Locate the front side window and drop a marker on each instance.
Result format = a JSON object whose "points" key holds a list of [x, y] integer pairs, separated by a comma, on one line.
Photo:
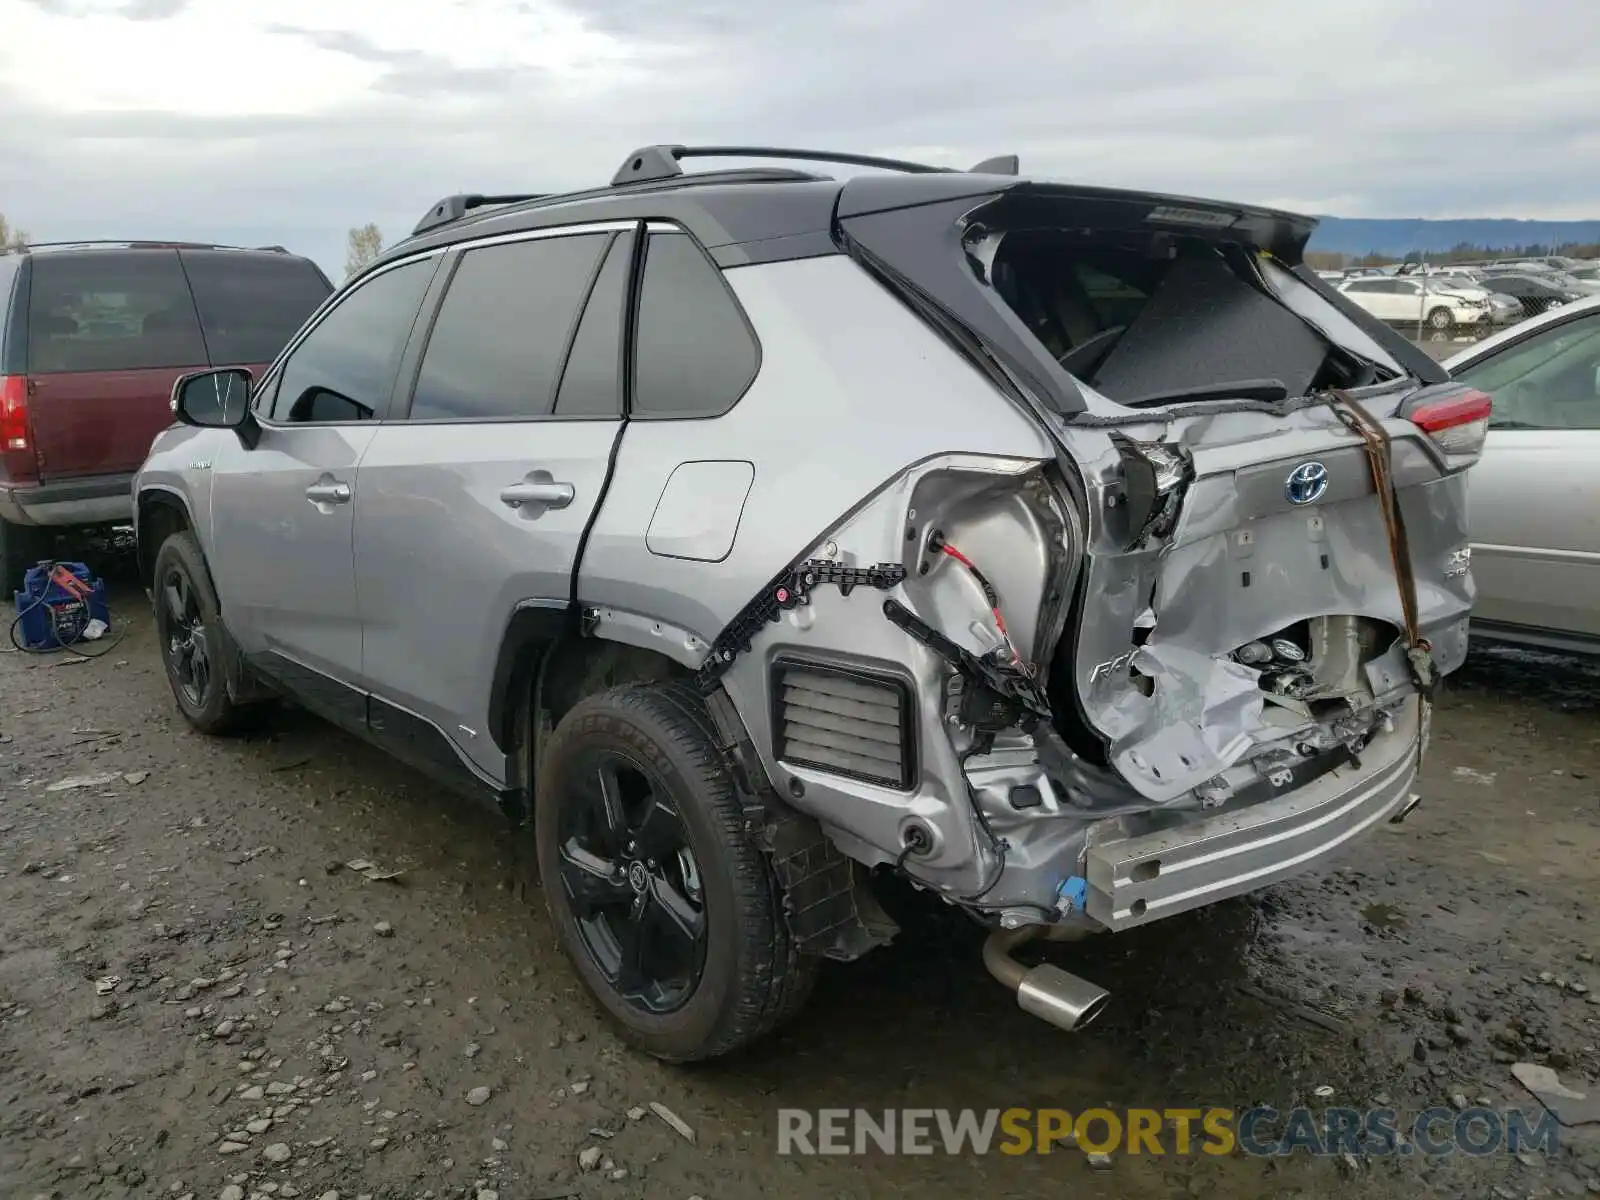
{"points": [[111, 310], [503, 330], [1549, 381], [344, 369]]}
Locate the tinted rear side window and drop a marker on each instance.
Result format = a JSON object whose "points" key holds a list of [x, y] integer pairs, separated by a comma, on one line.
{"points": [[251, 304], [694, 355], [503, 330], [591, 385], [110, 310]]}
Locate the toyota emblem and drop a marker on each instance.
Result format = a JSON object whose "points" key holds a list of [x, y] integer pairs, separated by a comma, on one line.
{"points": [[1306, 483]]}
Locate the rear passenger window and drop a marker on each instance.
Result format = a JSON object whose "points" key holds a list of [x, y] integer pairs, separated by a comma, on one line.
{"points": [[694, 355], [111, 310], [591, 384], [251, 304], [503, 330], [344, 369]]}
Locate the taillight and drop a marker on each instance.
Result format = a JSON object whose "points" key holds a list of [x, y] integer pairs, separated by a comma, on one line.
{"points": [[1457, 423], [16, 440]]}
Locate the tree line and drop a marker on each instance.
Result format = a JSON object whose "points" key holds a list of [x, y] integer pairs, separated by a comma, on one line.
{"points": [[1463, 252], [11, 238]]}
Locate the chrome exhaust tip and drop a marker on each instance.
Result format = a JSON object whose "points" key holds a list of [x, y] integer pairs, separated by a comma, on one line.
{"points": [[1406, 809], [1045, 991]]}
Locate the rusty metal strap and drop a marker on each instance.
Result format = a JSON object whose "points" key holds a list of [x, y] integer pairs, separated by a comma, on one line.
{"points": [[1376, 441]]}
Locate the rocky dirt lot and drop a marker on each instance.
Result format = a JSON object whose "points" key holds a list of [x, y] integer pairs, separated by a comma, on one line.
{"points": [[203, 994]]}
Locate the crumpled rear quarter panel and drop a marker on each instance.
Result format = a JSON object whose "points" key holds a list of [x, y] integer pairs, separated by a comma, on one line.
{"points": [[853, 388]]}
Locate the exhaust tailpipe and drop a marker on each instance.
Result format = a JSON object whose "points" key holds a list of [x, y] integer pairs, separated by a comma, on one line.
{"points": [[1406, 809], [1047, 992]]}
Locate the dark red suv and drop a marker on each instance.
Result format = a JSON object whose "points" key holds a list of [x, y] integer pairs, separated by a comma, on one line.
{"points": [[92, 338]]}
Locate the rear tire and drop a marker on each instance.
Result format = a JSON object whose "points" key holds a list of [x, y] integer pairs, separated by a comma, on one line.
{"points": [[1440, 319], [658, 892], [190, 635], [21, 547]]}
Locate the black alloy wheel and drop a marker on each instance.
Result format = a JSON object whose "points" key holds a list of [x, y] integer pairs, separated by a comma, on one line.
{"points": [[194, 643], [633, 883], [187, 643], [655, 879]]}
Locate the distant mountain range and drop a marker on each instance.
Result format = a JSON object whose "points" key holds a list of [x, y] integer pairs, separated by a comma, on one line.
{"points": [[1400, 236]]}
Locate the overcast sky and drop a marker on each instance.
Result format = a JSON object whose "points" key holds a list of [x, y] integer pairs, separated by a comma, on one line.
{"points": [[288, 121]]}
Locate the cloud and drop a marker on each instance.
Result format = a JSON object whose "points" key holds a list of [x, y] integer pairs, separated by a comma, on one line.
{"points": [[291, 122], [408, 72], [153, 10]]}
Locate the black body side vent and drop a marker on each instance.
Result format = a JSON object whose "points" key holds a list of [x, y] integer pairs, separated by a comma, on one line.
{"points": [[850, 723]]}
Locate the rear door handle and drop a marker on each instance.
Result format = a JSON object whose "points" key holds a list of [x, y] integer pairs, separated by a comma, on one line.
{"points": [[328, 493], [548, 494]]}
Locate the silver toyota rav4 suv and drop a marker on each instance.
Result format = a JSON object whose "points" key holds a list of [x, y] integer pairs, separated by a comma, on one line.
{"points": [[1077, 554]]}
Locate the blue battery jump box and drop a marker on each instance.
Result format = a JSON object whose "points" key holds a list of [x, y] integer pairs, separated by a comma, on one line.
{"points": [[56, 604]]}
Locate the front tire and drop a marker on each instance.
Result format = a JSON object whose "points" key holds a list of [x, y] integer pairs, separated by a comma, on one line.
{"points": [[1440, 319], [658, 892], [190, 634]]}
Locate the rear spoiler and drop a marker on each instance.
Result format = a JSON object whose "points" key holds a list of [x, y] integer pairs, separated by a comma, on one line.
{"points": [[1284, 234]]}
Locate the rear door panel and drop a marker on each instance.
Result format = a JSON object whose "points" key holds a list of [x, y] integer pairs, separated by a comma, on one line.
{"points": [[474, 500], [442, 561]]}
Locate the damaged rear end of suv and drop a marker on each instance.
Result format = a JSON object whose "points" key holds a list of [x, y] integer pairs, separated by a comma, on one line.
{"points": [[1075, 555], [1182, 650]]}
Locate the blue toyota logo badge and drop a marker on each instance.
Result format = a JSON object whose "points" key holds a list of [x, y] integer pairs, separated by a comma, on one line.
{"points": [[1306, 483]]}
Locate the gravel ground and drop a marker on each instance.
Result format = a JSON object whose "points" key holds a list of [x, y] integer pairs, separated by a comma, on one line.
{"points": [[281, 1024]]}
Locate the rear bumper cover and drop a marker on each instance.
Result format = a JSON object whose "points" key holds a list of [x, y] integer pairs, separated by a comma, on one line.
{"points": [[96, 500], [1135, 880]]}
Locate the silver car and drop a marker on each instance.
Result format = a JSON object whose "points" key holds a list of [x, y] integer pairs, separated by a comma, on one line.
{"points": [[1077, 554], [1535, 497]]}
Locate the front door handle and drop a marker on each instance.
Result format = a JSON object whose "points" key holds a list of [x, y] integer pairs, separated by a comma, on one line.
{"points": [[328, 493], [546, 493]]}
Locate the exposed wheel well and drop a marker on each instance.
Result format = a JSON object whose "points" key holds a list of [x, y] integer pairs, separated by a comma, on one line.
{"points": [[160, 516], [547, 684], [577, 667]]}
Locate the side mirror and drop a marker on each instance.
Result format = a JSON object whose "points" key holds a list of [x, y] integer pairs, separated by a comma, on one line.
{"points": [[213, 399]]}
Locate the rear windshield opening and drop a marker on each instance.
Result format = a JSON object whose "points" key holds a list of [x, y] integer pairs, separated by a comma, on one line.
{"points": [[1144, 318]]}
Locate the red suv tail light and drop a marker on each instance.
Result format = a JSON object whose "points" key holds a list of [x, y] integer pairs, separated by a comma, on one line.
{"points": [[1457, 421], [16, 434]]}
